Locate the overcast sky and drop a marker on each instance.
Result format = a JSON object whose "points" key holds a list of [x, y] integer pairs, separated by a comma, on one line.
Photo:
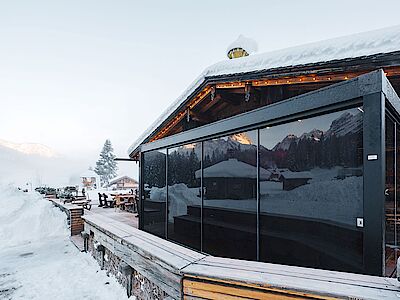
{"points": [[73, 73]]}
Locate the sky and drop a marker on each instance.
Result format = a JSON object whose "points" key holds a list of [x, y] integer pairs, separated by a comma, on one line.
{"points": [[74, 73]]}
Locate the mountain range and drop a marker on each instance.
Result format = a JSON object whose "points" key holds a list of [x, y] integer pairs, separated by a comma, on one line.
{"points": [[29, 148]]}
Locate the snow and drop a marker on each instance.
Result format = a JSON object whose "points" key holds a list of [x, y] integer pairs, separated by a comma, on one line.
{"points": [[179, 198], [324, 198], [89, 174], [30, 148], [245, 43], [234, 169], [115, 179], [384, 40], [295, 175], [37, 259]]}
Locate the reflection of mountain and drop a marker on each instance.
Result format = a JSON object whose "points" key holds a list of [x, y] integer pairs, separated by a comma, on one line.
{"points": [[239, 142], [285, 143], [241, 138], [339, 145], [347, 123]]}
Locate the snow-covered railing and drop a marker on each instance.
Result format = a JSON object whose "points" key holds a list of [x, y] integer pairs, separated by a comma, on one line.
{"points": [[74, 214]]}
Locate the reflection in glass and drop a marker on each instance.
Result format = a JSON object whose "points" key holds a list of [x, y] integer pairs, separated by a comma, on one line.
{"points": [[154, 191], [230, 196], [184, 198], [390, 197], [313, 196]]}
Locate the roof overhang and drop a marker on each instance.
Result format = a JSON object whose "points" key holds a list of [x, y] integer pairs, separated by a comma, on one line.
{"points": [[354, 55]]}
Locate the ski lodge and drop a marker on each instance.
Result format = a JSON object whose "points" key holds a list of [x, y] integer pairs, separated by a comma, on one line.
{"points": [[315, 109]]}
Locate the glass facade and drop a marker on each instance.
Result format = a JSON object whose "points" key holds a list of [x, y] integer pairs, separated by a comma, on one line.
{"points": [[154, 192], [184, 195], [311, 200], [289, 194], [230, 196], [392, 210]]}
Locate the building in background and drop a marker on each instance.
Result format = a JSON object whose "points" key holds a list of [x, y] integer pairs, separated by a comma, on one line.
{"points": [[90, 180], [123, 183]]}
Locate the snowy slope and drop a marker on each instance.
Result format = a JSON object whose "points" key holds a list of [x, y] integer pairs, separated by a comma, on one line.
{"points": [[362, 44], [37, 259]]}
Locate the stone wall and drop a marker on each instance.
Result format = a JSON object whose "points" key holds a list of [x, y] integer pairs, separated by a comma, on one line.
{"points": [[135, 283]]}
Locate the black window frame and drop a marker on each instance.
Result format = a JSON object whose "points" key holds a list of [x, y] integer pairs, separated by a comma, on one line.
{"points": [[372, 91]]}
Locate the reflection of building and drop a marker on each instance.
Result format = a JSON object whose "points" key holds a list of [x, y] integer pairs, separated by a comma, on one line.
{"points": [[123, 182], [292, 180], [231, 179], [305, 109], [348, 172]]}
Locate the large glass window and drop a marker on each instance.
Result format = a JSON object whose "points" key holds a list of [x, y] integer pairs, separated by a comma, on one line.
{"points": [[392, 213], [311, 201], [230, 196], [184, 195], [155, 192]]}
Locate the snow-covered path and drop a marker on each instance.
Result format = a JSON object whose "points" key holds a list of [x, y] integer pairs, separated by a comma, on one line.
{"points": [[37, 260]]}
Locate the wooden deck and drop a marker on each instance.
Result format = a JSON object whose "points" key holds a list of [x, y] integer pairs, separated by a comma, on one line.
{"points": [[122, 216]]}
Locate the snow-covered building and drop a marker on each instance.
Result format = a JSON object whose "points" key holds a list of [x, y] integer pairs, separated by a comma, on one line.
{"points": [[90, 180], [122, 183], [231, 179], [292, 180], [324, 116]]}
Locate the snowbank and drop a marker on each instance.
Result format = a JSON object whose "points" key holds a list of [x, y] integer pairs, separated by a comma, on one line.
{"points": [[37, 260], [27, 218]]}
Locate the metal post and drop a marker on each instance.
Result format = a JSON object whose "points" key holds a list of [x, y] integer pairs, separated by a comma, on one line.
{"points": [[258, 195], [201, 195], [374, 183]]}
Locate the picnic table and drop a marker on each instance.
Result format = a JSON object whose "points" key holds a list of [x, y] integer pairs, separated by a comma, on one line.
{"points": [[125, 201]]}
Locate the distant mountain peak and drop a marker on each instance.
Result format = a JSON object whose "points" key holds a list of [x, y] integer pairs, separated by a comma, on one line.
{"points": [[30, 148]]}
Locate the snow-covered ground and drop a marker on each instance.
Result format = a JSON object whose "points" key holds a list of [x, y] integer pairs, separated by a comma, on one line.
{"points": [[37, 260]]}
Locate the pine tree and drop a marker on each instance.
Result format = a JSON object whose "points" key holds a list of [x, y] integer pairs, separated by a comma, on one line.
{"points": [[106, 166]]}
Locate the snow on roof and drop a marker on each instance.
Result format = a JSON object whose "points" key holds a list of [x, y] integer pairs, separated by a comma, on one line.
{"points": [[89, 174], [362, 44], [115, 179], [245, 43], [233, 168], [296, 175]]}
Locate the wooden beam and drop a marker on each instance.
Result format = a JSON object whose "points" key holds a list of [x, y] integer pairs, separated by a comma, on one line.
{"points": [[228, 290], [308, 77], [211, 103]]}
